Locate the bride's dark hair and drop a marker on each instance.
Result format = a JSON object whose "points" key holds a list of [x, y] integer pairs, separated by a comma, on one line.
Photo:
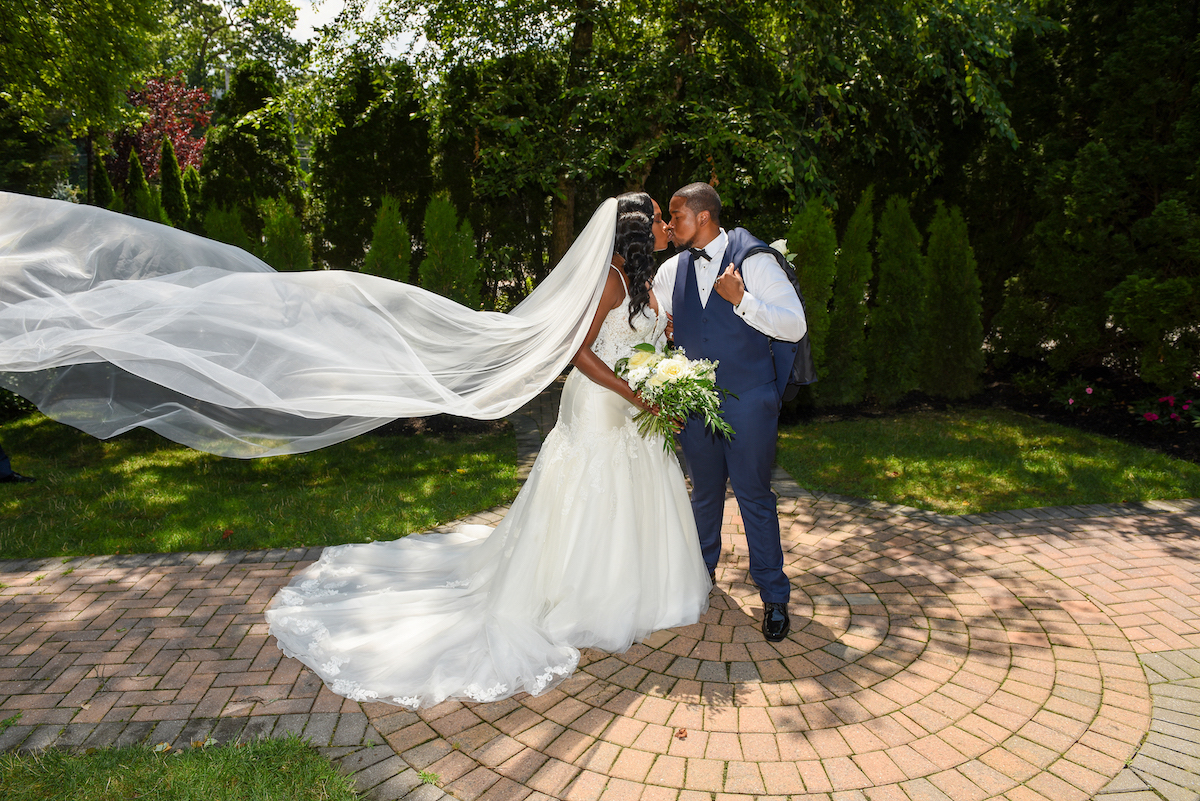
{"points": [[635, 242]]}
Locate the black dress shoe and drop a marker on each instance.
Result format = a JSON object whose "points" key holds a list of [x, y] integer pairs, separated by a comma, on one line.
{"points": [[776, 623], [16, 478]]}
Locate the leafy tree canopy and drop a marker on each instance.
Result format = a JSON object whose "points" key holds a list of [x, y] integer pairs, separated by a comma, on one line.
{"points": [[76, 57]]}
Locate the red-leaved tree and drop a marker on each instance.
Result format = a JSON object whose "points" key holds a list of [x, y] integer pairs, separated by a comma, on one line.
{"points": [[176, 111]]}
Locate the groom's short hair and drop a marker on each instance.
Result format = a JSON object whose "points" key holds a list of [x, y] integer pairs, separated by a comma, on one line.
{"points": [[702, 197]]}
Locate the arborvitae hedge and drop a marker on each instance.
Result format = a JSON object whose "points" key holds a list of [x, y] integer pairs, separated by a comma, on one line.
{"points": [[191, 187], [137, 188], [225, 225], [391, 247], [895, 338], [102, 192], [449, 267], [953, 359], [174, 196], [814, 242], [846, 344], [285, 247]]}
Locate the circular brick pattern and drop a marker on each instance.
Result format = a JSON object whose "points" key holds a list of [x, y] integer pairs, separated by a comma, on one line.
{"points": [[921, 661]]}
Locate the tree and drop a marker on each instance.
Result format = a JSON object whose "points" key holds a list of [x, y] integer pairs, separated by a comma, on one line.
{"points": [[250, 151], [953, 358], [1109, 282], [391, 247], [380, 147], [225, 225], [103, 194], [284, 246], [895, 339], [844, 349], [200, 37], [173, 111], [578, 100], [138, 199], [174, 196], [449, 267], [32, 161], [75, 57], [191, 187], [814, 242]]}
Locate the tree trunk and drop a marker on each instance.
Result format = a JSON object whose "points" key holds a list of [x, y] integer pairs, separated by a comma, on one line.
{"points": [[562, 218], [562, 203]]}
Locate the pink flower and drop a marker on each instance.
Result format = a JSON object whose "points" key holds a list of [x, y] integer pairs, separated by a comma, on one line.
{"points": [[1169, 400], [1187, 406], [1070, 401], [1088, 390], [1151, 416], [1174, 416]]}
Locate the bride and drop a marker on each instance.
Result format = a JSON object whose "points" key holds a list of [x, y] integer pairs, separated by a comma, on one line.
{"points": [[598, 550], [108, 322]]}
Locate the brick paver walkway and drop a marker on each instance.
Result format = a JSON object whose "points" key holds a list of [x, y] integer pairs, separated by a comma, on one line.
{"points": [[1045, 654]]}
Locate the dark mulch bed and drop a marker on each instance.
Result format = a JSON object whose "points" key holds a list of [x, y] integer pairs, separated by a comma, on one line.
{"points": [[1116, 419]]}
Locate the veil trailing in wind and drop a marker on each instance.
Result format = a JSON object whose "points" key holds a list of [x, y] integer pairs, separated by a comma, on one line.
{"points": [[108, 322]]}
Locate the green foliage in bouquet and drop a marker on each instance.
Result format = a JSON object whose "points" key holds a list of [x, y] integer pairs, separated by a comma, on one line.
{"points": [[679, 387]]}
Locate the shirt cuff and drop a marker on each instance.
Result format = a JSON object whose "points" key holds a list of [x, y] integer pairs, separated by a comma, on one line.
{"points": [[746, 307]]}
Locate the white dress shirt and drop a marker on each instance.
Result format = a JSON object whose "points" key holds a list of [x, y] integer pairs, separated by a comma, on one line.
{"points": [[769, 303]]}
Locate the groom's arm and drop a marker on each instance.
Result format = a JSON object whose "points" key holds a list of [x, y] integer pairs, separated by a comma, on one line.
{"points": [[768, 303]]}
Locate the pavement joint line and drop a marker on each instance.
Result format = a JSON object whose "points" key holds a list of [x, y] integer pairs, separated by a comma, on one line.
{"points": [[1052, 651]]}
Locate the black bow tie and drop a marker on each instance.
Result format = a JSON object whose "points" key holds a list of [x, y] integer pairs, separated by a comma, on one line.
{"points": [[698, 253]]}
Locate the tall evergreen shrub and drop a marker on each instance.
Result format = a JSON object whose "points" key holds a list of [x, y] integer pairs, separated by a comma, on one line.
{"points": [[285, 247], [953, 359], [814, 242], [449, 267], [895, 339], [225, 225], [391, 247], [191, 187], [102, 193], [174, 195], [137, 188], [847, 340]]}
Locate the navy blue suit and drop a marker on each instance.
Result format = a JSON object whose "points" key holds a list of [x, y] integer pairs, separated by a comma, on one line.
{"points": [[751, 368], [5, 466]]}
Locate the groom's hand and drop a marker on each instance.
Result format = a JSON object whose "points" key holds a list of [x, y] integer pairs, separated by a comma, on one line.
{"points": [[730, 286], [670, 329]]}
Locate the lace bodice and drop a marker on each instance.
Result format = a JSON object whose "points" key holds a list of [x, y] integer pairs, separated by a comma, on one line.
{"points": [[616, 338]]}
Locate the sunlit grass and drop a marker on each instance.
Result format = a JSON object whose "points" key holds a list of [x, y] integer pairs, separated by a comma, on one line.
{"points": [[265, 770], [141, 493], [977, 460]]}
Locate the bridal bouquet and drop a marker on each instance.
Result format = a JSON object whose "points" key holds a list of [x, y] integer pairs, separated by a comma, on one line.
{"points": [[678, 386]]}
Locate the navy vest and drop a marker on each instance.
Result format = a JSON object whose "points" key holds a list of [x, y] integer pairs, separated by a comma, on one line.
{"points": [[717, 332]]}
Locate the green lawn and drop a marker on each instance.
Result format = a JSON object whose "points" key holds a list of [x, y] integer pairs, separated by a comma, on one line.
{"points": [[264, 770], [977, 460], [140, 493]]}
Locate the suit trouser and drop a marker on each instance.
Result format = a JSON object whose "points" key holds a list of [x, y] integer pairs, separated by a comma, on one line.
{"points": [[745, 460], [5, 467]]}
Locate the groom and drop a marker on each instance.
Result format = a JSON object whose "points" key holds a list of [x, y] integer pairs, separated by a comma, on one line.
{"points": [[727, 305]]}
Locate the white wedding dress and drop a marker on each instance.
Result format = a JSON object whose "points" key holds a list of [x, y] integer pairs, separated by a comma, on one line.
{"points": [[598, 550]]}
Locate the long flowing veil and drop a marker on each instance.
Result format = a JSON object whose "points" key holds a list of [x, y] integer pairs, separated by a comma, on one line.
{"points": [[108, 322]]}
